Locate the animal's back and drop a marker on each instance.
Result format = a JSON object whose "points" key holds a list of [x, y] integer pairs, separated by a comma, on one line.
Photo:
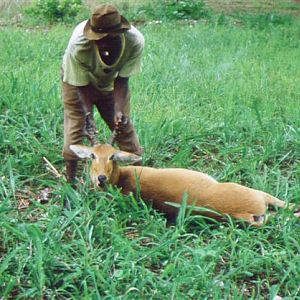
{"points": [[171, 179], [170, 185]]}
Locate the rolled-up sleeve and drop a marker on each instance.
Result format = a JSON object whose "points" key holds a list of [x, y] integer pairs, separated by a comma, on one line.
{"points": [[74, 71]]}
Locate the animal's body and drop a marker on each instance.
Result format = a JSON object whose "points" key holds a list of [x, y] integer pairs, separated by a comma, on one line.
{"points": [[159, 186], [170, 185]]}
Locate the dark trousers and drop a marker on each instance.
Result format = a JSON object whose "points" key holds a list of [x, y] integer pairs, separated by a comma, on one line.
{"points": [[74, 119]]}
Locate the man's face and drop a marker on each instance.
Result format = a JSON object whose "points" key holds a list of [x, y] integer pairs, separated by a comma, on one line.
{"points": [[110, 47], [108, 42]]}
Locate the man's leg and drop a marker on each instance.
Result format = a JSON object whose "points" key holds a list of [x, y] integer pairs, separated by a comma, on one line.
{"points": [[73, 127]]}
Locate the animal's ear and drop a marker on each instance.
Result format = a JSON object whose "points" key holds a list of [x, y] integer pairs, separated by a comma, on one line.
{"points": [[123, 156], [82, 151]]}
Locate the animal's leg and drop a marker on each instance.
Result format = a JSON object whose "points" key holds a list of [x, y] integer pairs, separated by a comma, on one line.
{"points": [[253, 220], [270, 200]]}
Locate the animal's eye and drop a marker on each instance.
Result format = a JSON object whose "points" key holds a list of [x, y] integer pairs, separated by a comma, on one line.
{"points": [[111, 157], [93, 156]]}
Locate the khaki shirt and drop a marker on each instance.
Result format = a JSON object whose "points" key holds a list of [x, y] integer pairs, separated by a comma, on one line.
{"points": [[83, 65]]}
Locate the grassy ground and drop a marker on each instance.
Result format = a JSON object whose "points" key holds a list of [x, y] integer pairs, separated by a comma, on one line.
{"points": [[223, 100]]}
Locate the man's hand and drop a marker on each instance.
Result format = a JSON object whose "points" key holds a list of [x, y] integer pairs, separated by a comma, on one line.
{"points": [[121, 122]]}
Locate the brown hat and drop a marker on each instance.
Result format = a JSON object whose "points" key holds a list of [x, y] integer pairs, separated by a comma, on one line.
{"points": [[105, 19]]}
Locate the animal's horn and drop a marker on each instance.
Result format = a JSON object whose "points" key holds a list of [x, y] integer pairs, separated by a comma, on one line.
{"points": [[120, 126], [113, 137], [90, 130]]}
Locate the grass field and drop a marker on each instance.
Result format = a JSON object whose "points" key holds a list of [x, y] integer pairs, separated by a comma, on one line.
{"points": [[219, 99]]}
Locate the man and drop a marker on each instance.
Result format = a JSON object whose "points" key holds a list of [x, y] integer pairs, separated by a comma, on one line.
{"points": [[102, 54]]}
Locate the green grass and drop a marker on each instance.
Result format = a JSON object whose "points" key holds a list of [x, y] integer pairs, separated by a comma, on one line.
{"points": [[223, 100]]}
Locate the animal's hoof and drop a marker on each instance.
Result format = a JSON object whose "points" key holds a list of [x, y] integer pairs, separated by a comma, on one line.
{"points": [[259, 219], [297, 214]]}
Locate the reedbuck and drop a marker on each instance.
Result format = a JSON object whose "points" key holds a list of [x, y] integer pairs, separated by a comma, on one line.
{"points": [[164, 186]]}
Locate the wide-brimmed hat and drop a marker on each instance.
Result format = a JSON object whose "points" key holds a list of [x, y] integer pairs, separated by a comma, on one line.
{"points": [[105, 20]]}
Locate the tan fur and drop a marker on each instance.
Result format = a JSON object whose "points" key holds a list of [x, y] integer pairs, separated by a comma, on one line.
{"points": [[159, 186]]}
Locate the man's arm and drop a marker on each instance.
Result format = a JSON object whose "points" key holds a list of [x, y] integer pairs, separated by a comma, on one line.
{"points": [[90, 130], [121, 99], [84, 96]]}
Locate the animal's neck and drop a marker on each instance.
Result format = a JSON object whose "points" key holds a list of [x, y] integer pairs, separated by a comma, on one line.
{"points": [[127, 178], [115, 176]]}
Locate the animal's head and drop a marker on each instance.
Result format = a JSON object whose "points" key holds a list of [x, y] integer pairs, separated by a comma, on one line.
{"points": [[104, 168]]}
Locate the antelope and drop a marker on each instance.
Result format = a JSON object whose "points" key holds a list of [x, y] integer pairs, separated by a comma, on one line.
{"points": [[163, 187]]}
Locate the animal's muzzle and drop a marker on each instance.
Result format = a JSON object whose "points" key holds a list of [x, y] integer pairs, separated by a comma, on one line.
{"points": [[102, 180]]}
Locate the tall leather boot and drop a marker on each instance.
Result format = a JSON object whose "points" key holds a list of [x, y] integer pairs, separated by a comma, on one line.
{"points": [[71, 168]]}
